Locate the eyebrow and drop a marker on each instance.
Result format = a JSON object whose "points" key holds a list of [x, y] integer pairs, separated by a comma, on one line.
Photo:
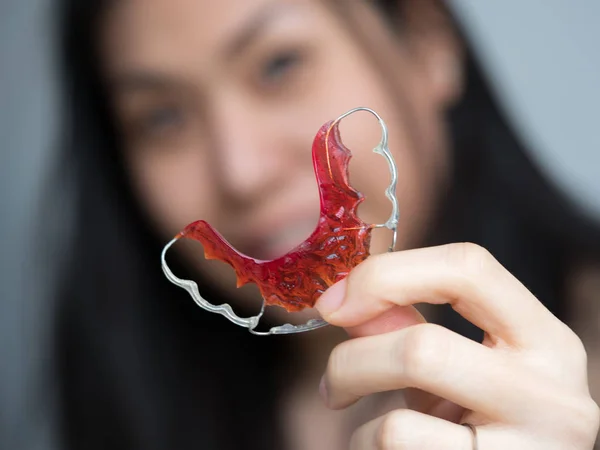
{"points": [[254, 27], [244, 38], [140, 80]]}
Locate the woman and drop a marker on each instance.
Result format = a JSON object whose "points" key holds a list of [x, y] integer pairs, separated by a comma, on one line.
{"points": [[199, 109]]}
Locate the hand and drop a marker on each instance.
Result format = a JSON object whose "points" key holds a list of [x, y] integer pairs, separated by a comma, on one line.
{"points": [[524, 387]]}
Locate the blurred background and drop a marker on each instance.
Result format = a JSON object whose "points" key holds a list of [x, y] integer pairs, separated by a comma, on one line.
{"points": [[554, 103]]}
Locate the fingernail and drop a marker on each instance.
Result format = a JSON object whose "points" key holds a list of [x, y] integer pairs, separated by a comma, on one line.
{"points": [[323, 389], [332, 299]]}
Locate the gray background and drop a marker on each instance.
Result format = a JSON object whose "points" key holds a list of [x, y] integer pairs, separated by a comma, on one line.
{"points": [[27, 123], [542, 54], [544, 57]]}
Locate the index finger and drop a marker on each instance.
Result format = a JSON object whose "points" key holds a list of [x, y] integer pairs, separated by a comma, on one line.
{"points": [[395, 318], [463, 275]]}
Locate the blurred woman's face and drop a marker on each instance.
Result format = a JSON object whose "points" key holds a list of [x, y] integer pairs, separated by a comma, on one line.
{"points": [[219, 102]]}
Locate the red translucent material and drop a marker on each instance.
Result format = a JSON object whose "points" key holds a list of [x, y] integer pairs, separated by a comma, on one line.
{"points": [[340, 241]]}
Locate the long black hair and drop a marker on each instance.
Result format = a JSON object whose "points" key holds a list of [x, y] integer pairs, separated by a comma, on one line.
{"points": [[141, 368]]}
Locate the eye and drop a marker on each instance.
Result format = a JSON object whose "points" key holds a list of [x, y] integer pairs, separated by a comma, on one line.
{"points": [[156, 122], [161, 118], [279, 66]]}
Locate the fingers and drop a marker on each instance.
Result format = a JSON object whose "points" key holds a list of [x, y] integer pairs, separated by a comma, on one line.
{"points": [[408, 430], [431, 358], [393, 319], [464, 275]]}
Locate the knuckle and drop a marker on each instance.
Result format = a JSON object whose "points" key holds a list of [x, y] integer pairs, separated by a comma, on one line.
{"points": [[567, 345], [575, 348], [423, 347], [590, 414], [583, 422], [470, 257], [395, 430]]}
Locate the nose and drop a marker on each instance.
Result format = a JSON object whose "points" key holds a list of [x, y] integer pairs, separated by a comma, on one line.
{"points": [[251, 155]]}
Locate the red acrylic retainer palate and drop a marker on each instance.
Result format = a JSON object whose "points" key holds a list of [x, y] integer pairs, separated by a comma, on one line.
{"points": [[340, 241]]}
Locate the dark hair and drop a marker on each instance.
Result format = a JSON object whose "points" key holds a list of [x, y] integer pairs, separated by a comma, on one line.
{"points": [[141, 367]]}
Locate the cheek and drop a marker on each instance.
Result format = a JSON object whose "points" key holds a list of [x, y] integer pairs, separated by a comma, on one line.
{"points": [[172, 186]]}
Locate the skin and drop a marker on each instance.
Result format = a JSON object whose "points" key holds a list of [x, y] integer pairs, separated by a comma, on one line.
{"points": [[218, 104]]}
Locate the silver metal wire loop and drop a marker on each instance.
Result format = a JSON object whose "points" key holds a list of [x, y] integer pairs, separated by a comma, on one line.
{"points": [[252, 322]]}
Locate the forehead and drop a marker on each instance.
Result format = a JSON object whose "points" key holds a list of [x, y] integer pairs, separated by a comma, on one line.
{"points": [[142, 31]]}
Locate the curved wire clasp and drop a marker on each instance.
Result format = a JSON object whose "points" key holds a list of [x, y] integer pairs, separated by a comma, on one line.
{"points": [[252, 322], [383, 150]]}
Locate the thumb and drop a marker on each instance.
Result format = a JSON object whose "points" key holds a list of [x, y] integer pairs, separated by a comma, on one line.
{"points": [[391, 319]]}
